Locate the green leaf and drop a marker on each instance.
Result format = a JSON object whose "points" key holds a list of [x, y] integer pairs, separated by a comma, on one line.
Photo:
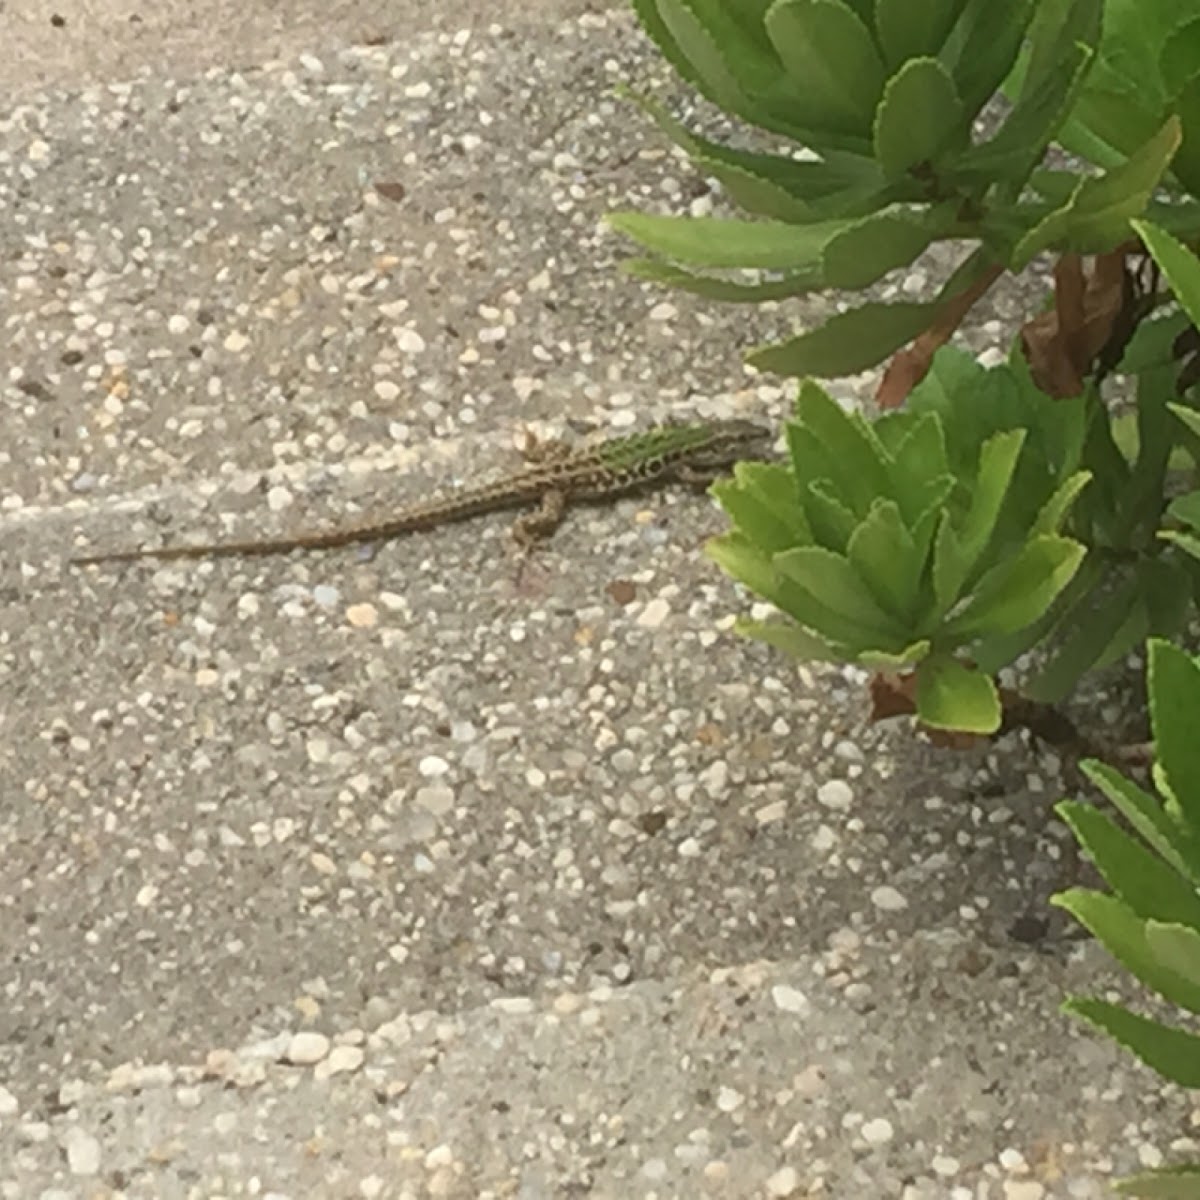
{"points": [[1151, 344], [1177, 948], [1186, 508], [1190, 417], [950, 567], [1089, 629], [1174, 687], [854, 458], [708, 50], [725, 290], [1185, 166], [1031, 124], [830, 518], [1180, 266], [848, 343], [997, 462], [951, 695], [1057, 27], [1132, 871], [720, 242], [919, 471], [1015, 593], [983, 48], [773, 185], [1184, 541], [1123, 934], [801, 644], [728, 62], [883, 553], [912, 28], [920, 118], [995, 651], [857, 256], [1173, 1053], [1055, 510], [1179, 55], [762, 500], [738, 556], [1097, 216], [831, 580], [1174, 843], [832, 62], [878, 660], [1167, 1183]]}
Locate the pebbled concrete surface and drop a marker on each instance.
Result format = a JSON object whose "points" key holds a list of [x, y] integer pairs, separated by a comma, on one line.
{"points": [[429, 871]]}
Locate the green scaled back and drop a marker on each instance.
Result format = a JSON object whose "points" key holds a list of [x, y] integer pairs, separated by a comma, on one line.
{"points": [[655, 445]]}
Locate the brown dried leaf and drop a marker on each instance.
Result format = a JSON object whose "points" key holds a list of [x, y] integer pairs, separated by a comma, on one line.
{"points": [[1062, 344]]}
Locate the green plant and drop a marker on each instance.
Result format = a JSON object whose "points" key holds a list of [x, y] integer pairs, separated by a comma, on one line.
{"points": [[1150, 920], [883, 96], [928, 540]]}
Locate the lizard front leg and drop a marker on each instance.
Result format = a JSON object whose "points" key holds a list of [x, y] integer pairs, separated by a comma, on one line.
{"points": [[541, 451], [540, 524], [697, 478]]}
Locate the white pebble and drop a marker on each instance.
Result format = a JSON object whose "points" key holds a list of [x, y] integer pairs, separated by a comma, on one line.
{"points": [[1149, 1156], [654, 614], [783, 1182], [436, 800], [306, 1048], [83, 1153], [789, 998], [877, 1132], [341, 1060], [729, 1099], [1024, 1189], [770, 813], [432, 766], [410, 341], [945, 1166], [362, 616], [824, 839], [279, 498], [8, 1102], [888, 899], [835, 794]]}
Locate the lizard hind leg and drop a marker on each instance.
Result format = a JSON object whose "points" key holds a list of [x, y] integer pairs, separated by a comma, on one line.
{"points": [[536, 526]]}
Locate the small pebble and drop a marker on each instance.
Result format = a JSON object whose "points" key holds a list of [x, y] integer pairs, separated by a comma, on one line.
{"points": [[783, 1182], [835, 794], [362, 616], [1023, 1189], [307, 1048], [654, 614], [83, 1153], [789, 999], [877, 1132], [888, 899], [341, 1060]]}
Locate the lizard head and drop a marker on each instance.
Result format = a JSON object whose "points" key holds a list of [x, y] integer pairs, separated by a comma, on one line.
{"points": [[735, 439]]}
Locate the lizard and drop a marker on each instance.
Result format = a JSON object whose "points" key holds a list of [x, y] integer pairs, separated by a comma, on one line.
{"points": [[555, 478]]}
